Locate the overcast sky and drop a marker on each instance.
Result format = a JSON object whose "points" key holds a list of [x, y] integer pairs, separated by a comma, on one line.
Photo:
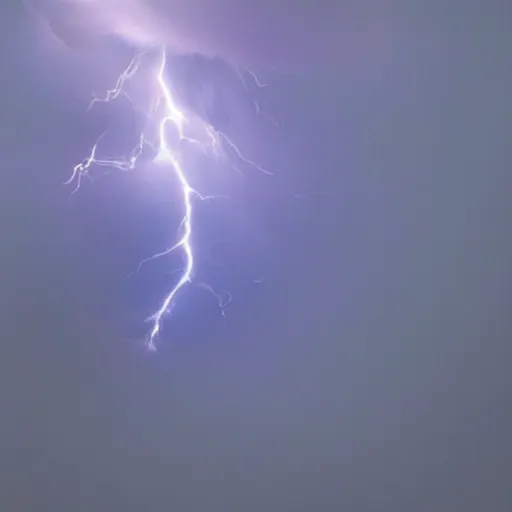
{"points": [[369, 370]]}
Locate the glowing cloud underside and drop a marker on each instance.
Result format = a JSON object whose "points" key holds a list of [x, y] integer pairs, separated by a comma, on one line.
{"points": [[168, 117]]}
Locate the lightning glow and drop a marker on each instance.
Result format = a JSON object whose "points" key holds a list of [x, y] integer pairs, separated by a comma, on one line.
{"points": [[165, 155], [171, 156]]}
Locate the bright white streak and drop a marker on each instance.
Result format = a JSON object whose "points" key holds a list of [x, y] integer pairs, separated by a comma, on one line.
{"points": [[165, 155]]}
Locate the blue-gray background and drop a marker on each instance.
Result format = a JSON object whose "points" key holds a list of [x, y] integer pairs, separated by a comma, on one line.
{"points": [[370, 370]]}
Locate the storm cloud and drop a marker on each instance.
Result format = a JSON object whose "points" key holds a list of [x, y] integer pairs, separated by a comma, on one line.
{"points": [[264, 34]]}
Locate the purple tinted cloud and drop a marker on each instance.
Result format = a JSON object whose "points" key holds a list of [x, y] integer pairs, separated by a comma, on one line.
{"points": [[264, 34]]}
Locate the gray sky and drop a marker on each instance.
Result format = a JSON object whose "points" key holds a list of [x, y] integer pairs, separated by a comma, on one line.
{"points": [[369, 371]]}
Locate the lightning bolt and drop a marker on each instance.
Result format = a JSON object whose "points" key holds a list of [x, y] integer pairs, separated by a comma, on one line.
{"points": [[119, 89], [165, 155], [170, 156]]}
